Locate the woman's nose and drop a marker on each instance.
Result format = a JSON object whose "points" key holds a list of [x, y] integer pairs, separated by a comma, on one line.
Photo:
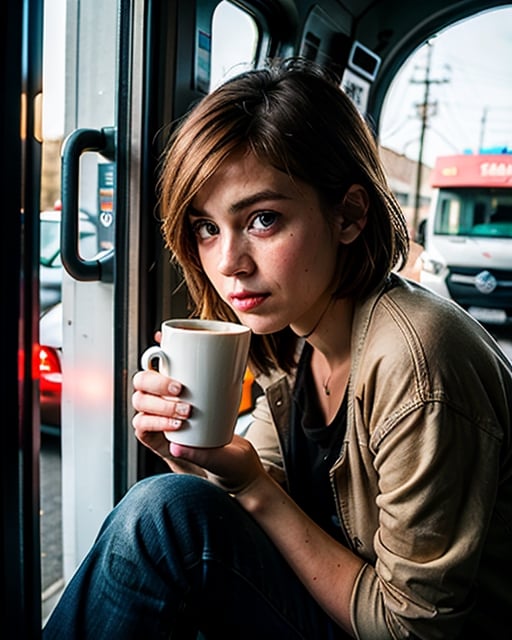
{"points": [[234, 258]]}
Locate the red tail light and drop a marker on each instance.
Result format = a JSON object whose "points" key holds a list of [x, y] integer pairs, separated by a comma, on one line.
{"points": [[49, 370]]}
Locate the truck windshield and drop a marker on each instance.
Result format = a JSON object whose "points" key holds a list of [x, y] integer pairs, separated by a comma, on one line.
{"points": [[483, 212]]}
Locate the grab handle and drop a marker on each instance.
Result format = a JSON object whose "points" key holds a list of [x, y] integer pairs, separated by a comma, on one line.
{"points": [[77, 143]]}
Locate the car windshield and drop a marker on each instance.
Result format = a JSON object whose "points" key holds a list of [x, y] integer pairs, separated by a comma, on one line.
{"points": [[50, 242], [50, 239], [479, 213]]}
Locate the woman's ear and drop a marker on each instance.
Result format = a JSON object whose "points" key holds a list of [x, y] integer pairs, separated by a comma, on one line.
{"points": [[353, 213]]}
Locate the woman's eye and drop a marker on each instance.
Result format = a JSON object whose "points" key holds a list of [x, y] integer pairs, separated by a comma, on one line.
{"points": [[205, 229], [264, 220]]}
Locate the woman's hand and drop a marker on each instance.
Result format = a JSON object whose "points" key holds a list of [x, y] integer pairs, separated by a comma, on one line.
{"points": [[159, 409], [235, 467], [156, 399]]}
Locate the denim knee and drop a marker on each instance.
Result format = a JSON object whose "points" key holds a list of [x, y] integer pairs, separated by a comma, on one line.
{"points": [[177, 508]]}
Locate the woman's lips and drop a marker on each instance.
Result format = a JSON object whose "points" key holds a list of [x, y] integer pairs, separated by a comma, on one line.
{"points": [[247, 301]]}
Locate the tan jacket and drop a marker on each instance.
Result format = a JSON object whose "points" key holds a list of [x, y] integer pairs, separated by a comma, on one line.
{"points": [[423, 482]]}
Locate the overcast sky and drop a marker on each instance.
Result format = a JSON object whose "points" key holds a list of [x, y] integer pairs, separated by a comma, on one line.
{"points": [[471, 74]]}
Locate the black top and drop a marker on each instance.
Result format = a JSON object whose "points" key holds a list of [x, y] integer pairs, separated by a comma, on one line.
{"points": [[313, 449]]}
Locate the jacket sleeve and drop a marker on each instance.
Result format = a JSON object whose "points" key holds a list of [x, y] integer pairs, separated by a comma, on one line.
{"points": [[438, 478]]}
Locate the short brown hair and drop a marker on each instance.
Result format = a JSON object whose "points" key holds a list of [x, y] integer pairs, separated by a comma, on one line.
{"points": [[294, 116]]}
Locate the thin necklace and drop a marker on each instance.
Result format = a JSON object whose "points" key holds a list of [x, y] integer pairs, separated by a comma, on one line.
{"points": [[325, 385], [315, 326]]}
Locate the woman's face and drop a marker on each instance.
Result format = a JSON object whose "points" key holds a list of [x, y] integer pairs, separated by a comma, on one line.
{"points": [[265, 245]]}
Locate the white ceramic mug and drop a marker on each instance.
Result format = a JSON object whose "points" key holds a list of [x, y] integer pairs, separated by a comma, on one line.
{"points": [[209, 358]]}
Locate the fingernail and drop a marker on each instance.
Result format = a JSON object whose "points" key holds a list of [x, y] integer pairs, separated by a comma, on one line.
{"points": [[174, 388], [182, 409]]}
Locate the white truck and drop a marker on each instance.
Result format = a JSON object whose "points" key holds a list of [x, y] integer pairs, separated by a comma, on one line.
{"points": [[468, 235]]}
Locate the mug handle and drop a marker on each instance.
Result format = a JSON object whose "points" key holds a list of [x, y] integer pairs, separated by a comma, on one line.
{"points": [[154, 353]]}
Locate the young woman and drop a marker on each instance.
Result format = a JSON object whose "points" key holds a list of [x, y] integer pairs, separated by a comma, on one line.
{"points": [[372, 494]]}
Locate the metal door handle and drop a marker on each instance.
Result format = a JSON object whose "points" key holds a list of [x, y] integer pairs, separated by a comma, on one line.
{"points": [[78, 142]]}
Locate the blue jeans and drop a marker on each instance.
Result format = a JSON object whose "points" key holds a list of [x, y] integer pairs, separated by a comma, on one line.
{"points": [[178, 556]]}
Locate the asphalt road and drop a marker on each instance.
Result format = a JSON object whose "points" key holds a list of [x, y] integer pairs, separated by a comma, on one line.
{"points": [[51, 534]]}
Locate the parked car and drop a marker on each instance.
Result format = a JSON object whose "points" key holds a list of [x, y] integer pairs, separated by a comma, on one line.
{"points": [[50, 265], [50, 370], [50, 321]]}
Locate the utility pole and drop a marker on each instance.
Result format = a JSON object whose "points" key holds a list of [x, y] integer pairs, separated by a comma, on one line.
{"points": [[483, 122], [423, 109]]}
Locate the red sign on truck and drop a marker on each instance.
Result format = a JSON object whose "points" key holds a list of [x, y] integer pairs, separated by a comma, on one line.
{"points": [[472, 171]]}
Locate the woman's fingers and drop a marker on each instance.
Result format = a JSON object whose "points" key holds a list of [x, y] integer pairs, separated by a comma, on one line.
{"points": [[158, 395], [156, 383], [166, 406], [157, 404], [153, 422]]}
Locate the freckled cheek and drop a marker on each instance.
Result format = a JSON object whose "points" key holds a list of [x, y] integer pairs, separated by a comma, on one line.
{"points": [[294, 250], [283, 260], [209, 263], [301, 260]]}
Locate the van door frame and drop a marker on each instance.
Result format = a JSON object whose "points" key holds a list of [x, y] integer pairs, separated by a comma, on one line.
{"points": [[20, 77]]}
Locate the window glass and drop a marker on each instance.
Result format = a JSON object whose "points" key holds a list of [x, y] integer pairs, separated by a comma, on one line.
{"points": [[234, 42], [475, 212]]}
